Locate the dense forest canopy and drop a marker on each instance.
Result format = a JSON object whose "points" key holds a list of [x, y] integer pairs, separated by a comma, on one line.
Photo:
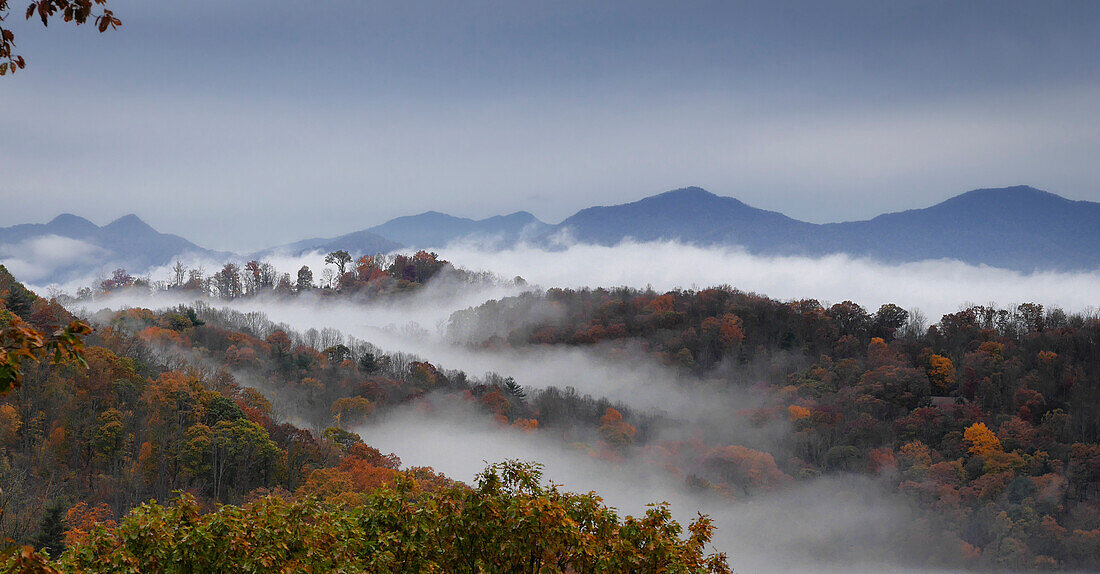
{"points": [[987, 421]]}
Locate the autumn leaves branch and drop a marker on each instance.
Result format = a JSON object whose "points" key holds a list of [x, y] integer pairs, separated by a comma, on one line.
{"points": [[78, 11], [19, 342]]}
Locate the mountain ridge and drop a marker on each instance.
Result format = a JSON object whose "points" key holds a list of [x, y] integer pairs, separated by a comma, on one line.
{"points": [[77, 247], [1018, 227]]}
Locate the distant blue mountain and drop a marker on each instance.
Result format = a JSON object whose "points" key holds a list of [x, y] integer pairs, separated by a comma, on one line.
{"points": [[1017, 227], [1020, 228], [692, 215], [434, 229], [356, 243], [71, 247]]}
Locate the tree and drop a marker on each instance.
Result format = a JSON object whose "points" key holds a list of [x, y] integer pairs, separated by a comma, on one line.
{"points": [[77, 11], [982, 441], [305, 279], [941, 373], [20, 342], [51, 533], [228, 281], [119, 279], [339, 258], [179, 274], [889, 319]]}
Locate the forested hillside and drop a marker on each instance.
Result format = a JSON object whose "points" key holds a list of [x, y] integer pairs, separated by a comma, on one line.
{"points": [[988, 419], [158, 413]]}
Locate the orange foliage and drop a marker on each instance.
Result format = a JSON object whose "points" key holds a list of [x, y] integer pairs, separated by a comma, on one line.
{"points": [[941, 373], [663, 303], [10, 423], [881, 460], [982, 441], [615, 431], [81, 519], [745, 467], [351, 411], [798, 412], [526, 425]]}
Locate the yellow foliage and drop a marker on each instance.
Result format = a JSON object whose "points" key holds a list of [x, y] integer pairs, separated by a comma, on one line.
{"points": [[914, 458], [997, 461], [982, 441], [10, 423], [941, 373]]}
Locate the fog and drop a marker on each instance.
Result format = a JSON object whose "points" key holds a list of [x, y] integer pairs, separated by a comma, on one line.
{"points": [[415, 325], [33, 259], [836, 524], [936, 287]]}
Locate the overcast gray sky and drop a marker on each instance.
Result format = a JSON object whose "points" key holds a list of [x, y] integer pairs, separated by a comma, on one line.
{"points": [[243, 124]]}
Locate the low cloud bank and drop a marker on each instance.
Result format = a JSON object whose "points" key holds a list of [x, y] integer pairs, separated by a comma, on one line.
{"points": [[836, 524], [34, 259], [936, 287]]}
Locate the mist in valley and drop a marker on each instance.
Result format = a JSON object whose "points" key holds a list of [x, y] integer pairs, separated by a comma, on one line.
{"points": [[837, 522]]}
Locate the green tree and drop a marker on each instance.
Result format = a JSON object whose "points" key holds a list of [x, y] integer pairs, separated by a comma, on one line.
{"points": [[305, 279], [340, 259], [51, 532]]}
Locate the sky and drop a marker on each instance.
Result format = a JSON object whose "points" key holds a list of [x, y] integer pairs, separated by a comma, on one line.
{"points": [[245, 124]]}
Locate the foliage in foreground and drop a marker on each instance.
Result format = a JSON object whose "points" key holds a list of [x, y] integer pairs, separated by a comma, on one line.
{"points": [[509, 523]]}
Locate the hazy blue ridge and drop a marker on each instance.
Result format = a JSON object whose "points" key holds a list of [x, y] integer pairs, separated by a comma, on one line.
{"points": [[127, 242], [1020, 228]]}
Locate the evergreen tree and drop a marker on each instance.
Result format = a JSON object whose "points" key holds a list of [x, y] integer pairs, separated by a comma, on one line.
{"points": [[51, 533]]}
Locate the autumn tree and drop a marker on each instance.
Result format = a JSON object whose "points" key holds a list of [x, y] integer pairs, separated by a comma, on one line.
{"points": [[20, 343], [982, 441], [119, 279], [941, 373], [75, 11], [259, 275], [228, 281], [615, 431]]}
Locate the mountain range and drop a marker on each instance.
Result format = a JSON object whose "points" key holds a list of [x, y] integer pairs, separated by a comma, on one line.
{"points": [[70, 247], [1019, 228]]}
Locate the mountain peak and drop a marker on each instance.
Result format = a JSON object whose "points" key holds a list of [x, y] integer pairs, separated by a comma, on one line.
{"points": [[68, 223], [1015, 192], [69, 219], [691, 192], [129, 222]]}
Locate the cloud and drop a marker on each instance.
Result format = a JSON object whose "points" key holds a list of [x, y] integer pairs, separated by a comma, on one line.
{"points": [[838, 524], [833, 524], [935, 287], [34, 259]]}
